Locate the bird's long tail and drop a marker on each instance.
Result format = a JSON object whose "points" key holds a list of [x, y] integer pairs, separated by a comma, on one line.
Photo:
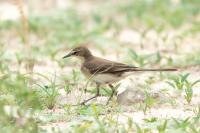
{"points": [[159, 69]]}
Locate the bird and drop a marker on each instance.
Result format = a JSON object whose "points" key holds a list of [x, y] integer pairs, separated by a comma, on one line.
{"points": [[103, 71]]}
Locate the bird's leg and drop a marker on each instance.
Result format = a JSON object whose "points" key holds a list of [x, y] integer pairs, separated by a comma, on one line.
{"points": [[97, 94], [113, 91]]}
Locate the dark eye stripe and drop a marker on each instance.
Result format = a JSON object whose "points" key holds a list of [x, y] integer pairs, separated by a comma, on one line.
{"points": [[74, 52]]}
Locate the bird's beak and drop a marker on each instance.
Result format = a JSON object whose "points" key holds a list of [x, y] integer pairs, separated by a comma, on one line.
{"points": [[68, 55]]}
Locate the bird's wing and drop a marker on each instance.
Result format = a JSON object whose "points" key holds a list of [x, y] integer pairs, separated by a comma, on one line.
{"points": [[98, 65]]}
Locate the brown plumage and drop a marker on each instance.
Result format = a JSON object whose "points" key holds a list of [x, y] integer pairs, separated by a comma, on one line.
{"points": [[103, 71]]}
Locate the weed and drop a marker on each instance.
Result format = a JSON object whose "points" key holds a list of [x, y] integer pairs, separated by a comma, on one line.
{"points": [[182, 124], [140, 60], [130, 124], [150, 120], [51, 91], [149, 102], [141, 130], [188, 92], [68, 88], [17, 104], [179, 81], [161, 128]]}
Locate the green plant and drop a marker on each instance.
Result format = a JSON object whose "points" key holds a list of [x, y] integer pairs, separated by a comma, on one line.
{"points": [[182, 124], [141, 130], [51, 91], [189, 90], [68, 88], [179, 81], [197, 112], [75, 76], [97, 119], [18, 104], [130, 124], [51, 97], [150, 120], [140, 60], [148, 102], [162, 127], [196, 120]]}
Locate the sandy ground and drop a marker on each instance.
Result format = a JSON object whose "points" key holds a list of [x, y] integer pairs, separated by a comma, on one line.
{"points": [[130, 93]]}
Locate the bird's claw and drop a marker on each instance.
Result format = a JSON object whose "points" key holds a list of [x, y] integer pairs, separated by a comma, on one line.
{"points": [[82, 103]]}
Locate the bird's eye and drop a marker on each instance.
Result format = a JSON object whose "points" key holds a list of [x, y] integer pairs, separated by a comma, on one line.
{"points": [[75, 52]]}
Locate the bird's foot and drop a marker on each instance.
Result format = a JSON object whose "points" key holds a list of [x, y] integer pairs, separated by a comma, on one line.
{"points": [[83, 103], [108, 101]]}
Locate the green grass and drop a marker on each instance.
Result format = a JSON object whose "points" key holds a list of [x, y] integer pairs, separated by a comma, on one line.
{"points": [[21, 101]]}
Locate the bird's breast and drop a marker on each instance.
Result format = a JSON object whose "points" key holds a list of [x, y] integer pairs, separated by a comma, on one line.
{"points": [[86, 72], [106, 78]]}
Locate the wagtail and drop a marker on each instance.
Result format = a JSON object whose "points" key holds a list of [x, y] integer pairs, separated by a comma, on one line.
{"points": [[103, 71]]}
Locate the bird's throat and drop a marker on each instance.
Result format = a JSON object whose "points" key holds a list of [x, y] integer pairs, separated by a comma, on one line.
{"points": [[82, 59]]}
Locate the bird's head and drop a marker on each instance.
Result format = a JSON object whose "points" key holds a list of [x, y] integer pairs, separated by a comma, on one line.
{"points": [[79, 52]]}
